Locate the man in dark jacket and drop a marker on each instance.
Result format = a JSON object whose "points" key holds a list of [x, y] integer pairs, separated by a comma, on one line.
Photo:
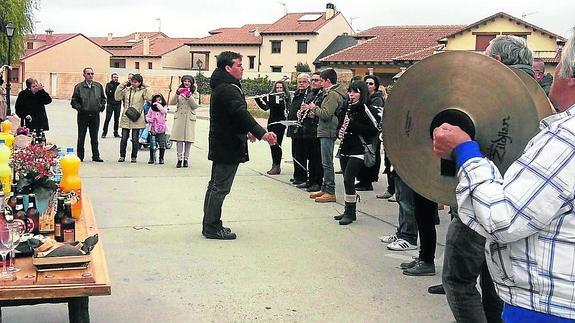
{"points": [[544, 80], [89, 100], [298, 150], [30, 106], [230, 127], [112, 107]]}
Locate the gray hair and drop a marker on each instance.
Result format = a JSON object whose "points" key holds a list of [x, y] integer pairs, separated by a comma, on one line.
{"points": [[303, 75], [513, 50], [568, 58]]}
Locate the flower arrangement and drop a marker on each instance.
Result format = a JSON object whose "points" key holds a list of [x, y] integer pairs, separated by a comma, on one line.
{"points": [[34, 164]]}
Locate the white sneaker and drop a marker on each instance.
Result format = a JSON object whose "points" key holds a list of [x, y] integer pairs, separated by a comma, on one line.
{"points": [[388, 239], [401, 245]]}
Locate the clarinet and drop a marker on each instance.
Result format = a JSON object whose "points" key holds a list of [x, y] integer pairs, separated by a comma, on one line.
{"points": [[304, 114]]}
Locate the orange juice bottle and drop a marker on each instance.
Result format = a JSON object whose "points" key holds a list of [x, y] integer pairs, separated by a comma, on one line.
{"points": [[71, 184], [5, 170], [6, 134]]}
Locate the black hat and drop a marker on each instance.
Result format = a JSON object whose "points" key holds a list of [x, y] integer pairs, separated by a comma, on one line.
{"points": [[138, 78]]}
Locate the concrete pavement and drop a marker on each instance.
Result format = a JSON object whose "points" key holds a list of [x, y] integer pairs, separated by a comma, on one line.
{"points": [[291, 261]]}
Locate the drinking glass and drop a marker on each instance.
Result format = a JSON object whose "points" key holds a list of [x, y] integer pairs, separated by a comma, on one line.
{"points": [[5, 247], [16, 234]]}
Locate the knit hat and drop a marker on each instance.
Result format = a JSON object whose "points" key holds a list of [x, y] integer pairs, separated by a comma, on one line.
{"points": [[138, 78]]}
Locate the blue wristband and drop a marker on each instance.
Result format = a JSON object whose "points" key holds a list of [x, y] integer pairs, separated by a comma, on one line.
{"points": [[465, 151]]}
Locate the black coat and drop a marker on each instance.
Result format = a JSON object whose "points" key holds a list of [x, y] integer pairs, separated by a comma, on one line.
{"points": [[310, 124], [359, 124], [277, 110], [110, 90], [376, 100], [230, 120], [33, 104], [298, 99]]}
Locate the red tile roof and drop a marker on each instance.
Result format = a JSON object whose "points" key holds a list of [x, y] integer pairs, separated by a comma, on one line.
{"points": [[290, 23], [508, 16], [389, 43], [51, 41], [158, 47], [128, 40], [244, 35]]}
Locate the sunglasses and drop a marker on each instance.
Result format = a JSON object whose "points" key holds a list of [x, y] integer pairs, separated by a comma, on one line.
{"points": [[89, 73], [369, 83]]}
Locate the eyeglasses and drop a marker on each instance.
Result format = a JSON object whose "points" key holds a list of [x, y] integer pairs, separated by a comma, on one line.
{"points": [[370, 83], [89, 73]]}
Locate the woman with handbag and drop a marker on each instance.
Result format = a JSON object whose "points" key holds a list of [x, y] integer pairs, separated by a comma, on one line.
{"points": [[134, 94], [184, 129], [356, 149]]}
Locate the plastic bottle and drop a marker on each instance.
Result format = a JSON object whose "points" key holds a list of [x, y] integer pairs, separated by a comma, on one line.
{"points": [[5, 170], [71, 184], [6, 134], [58, 168]]}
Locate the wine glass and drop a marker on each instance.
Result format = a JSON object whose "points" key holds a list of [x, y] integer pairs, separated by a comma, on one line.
{"points": [[16, 234], [5, 247]]}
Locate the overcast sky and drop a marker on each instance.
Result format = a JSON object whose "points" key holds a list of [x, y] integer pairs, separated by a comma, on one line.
{"points": [[188, 18]]}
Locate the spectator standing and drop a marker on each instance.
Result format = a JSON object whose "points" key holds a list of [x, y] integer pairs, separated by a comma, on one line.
{"points": [[113, 106], [31, 106], [184, 130]]}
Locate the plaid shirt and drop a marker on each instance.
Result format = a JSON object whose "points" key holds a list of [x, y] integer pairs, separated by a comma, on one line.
{"points": [[528, 218]]}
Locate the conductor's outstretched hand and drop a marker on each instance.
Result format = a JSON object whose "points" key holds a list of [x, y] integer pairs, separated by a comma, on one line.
{"points": [[270, 137]]}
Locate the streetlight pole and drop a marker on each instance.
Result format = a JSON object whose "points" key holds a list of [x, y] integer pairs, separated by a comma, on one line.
{"points": [[9, 28], [199, 64]]}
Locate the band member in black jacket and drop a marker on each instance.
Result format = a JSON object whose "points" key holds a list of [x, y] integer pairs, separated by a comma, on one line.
{"points": [[296, 133], [230, 127], [359, 126], [112, 106], [30, 106], [278, 105]]}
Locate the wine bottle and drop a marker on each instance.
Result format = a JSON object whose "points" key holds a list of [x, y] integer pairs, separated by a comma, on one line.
{"points": [[58, 217], [20, 214], [68, 224], [32, 215]]}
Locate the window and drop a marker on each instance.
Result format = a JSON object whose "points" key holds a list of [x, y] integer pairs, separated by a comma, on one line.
{"points": [[252, 62], [149, 65], [116, 64], [302, 46], [137, 65], [14, 75], [276, 46], [482, 41], [29, 45], [276, 69]]}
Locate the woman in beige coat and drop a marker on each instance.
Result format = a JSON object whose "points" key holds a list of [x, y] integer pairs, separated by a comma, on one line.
{"points": [[184, 129], [134, 94]]}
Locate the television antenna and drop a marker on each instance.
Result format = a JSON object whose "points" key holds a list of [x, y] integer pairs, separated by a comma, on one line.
{"points": [[159, 20], [284, 4], [523, 15], [351, 20]]}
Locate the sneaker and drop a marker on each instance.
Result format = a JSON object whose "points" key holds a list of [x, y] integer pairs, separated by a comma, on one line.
{"points": [[389, 239], [436, 290], [411, 264], [133, 160], [384, 196], [401, 245], [121, 159], [393, 198], [223, 234], [421, 268], [142, 141]]}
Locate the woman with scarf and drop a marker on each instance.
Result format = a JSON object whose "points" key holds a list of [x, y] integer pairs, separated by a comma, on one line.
{"points": [[360, 126], [277, 104], [184, 129]]}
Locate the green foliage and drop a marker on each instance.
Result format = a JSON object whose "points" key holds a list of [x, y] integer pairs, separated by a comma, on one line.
{"points": [[20, 14], [260, 85], [203, 83], [302, 68]]}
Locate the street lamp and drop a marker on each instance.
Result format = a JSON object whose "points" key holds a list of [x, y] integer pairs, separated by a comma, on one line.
{"points": [[199, 64], [9, 28]]}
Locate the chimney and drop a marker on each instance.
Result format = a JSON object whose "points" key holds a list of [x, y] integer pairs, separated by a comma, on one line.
{"points": [[137, 36], [110, 37], [146, 46], [49, 33], [257, 32], [329, 11]]}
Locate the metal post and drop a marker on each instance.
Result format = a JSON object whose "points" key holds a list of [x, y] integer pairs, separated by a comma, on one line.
{"points": [[8, 109]]}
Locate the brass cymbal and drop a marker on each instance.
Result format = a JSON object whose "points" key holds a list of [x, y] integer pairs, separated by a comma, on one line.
{"points": [[481, 95]]}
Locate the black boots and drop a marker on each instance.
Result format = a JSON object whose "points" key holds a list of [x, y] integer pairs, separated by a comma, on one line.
{"points": [[152, 156], [161, 157], [349, 214], [349, 199]]}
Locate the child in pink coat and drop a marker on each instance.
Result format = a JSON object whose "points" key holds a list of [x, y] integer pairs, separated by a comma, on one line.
{"points": [[156, 118]]}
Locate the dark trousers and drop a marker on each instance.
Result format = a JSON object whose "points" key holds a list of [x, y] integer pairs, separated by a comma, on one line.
{"points": [[314, 167], [425, 212], [407, 229], [115, 110], [298, 153], [85, 123], [351, 168], [371, 174], [219, 186], [276, 150], [390, 176], [464, 261], [124, 142]]}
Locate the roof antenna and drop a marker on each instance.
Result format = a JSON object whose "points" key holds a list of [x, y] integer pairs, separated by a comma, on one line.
{"points": [[523, 15], [284, 4], [159, 20]]}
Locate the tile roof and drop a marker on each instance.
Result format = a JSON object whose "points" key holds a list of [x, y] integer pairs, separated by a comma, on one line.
{"points": [[389, 43], [158, 47], [508, 16], [290, 23], [51, 41], [128, 40], [244, 35], [339, 43]]}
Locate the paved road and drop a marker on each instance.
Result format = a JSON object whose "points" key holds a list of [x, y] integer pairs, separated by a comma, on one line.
{"points": [[291, 261]]}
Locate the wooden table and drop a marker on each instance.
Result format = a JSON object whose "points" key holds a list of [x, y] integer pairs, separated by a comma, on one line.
{"points": [[66, 286]]}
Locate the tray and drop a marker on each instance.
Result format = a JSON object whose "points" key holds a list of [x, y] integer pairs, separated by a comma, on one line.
{"points": [[61, 263]]}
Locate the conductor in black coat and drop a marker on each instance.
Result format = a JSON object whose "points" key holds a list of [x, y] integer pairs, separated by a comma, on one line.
{"points": [[30, 106], [230, 127]]}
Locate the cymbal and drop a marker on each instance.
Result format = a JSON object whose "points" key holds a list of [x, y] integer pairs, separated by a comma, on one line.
{"points": [[500, 110]]}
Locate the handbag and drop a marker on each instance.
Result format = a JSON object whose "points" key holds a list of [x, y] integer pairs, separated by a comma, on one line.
{"points": [[368, 153], [133, 114]]}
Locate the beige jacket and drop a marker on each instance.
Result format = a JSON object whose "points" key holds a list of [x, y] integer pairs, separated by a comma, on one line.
{"points": [[184, 128], [132, 98]]}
